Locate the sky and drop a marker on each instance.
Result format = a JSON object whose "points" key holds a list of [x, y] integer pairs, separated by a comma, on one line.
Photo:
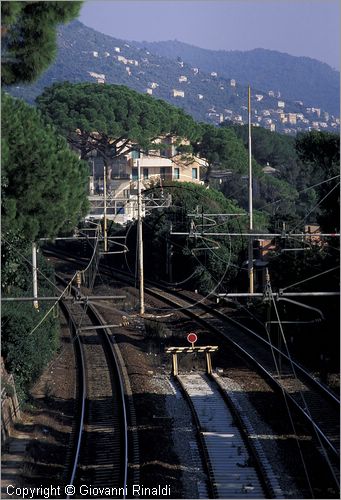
{"points": [[299, 27]]}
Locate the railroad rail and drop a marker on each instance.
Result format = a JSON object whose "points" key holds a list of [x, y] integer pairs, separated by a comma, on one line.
{"points": [[316, 403], [99, 457], [235, 470]]}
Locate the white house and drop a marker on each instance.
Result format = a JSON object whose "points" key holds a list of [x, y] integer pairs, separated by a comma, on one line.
{"points": [[156, 166], [177, 93]]}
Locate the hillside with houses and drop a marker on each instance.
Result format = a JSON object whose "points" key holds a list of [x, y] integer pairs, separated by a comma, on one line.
{"points": [[85, 55]]}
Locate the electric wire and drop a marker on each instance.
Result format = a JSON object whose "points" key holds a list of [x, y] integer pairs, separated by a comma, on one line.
{"points": [[270, 294], [315, 206], [306, 407], [311, 278], [299, 192], [30, 263], [54, 285]]}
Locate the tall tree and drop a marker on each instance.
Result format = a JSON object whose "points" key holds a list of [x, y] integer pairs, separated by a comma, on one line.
{"points": [[320, 151], [43, 181], [112, 119], [28, 37], [221, 148]]}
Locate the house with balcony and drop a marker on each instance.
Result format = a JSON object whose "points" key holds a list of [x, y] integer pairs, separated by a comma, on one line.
{"points": [[157, 167]]}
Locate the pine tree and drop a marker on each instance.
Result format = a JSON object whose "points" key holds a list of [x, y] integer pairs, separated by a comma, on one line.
{"points": [[43, 182], [28, 37]]}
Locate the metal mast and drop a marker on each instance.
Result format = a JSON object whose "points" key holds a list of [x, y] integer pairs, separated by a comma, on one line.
{"points": [[35, 275], [105, 209], [139, 237], [250, 252]]}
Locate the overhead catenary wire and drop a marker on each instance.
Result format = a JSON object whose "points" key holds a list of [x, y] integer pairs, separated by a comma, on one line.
{"points": [[51, 282], [315, 206], [299, 192], [306, 406], [269, 292], [29, 262], [310, 278]]}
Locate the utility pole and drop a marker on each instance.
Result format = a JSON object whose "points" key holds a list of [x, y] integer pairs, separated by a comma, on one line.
{"points": [[250, 252], [35, 275], [139, 237], [105, 208]]}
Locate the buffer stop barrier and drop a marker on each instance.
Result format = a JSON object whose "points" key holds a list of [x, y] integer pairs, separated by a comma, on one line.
{"points": [[174, 351]]}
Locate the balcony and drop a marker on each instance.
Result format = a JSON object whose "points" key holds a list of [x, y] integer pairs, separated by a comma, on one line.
{"points": [[150, 162]]}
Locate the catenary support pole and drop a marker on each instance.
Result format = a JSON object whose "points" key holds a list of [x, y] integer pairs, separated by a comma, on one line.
{"points": [[35, 275], [105, 209], [140, 238], [250, 249]]}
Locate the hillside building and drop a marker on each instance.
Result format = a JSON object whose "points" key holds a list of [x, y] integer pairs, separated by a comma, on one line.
{"points": [[292, 118], [177, 93], [122, 59], [182, 78], [268, 169], [100, 78], [156, 167]]}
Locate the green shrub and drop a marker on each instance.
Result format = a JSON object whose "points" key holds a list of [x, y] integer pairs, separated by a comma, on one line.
{"points": [[26, 353]]}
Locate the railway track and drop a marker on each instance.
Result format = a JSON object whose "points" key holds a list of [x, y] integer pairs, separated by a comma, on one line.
{"points": [[98, 455], [235, 470], [318, 406]]}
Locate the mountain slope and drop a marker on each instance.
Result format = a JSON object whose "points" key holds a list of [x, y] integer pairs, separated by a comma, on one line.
{"points": [[298, 78], [85, 55]]}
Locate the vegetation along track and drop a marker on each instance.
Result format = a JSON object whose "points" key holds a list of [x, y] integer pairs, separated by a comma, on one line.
{"points": [[318, 406], [99, 445]]}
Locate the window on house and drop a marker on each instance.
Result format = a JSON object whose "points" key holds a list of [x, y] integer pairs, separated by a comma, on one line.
{"points": [[145, 173], [176, 173], [194, 173], [134, 174], [163, 173]]}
